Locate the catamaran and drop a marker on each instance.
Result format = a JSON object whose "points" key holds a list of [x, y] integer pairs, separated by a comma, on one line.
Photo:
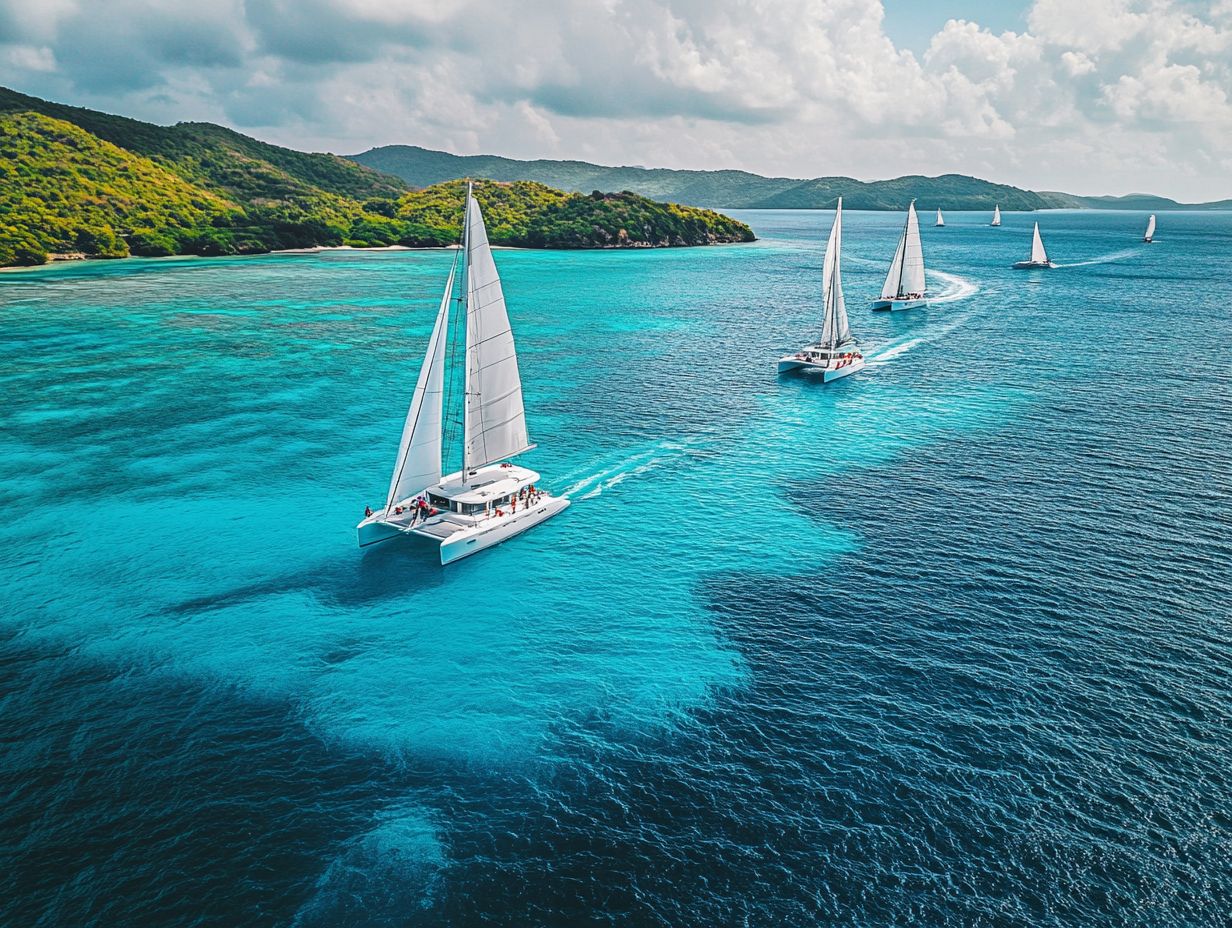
{"points": [[904, 284], [996, 216], [940, 218], [1150, 229], [835, 354], [489, 499], [1039, 257]]}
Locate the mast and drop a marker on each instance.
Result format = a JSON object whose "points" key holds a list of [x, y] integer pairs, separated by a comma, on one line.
{"points": [[466, 310], [835, 329], [902, 265]]}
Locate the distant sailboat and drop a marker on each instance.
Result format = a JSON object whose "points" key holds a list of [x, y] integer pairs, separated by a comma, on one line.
{"points": [[489, 499], [996, 216], [940, 218], [1039, 257], [1150, 229], [835, 354], [904, 284]]}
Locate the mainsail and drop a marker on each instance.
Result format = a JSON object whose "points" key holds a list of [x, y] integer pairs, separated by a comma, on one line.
{"points": [[419, 452], [906, 274], [1038, 255], [1150, 229], [940, 218], [996, 216], [495, 420], [835, 330]]}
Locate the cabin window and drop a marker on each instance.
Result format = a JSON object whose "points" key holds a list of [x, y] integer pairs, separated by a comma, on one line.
{"points": [[470, 509], [440, 502]]}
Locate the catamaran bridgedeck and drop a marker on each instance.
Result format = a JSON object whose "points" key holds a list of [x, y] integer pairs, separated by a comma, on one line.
{"points": [[489, 499], [835, 355]]}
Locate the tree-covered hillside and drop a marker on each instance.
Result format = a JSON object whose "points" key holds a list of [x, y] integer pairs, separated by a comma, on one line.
{"points": [[536, 216], [62, 189], [78, 181]]}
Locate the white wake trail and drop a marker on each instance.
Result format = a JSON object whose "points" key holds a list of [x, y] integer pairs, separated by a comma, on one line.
{"points": [[957, 288], [1104, 259], [894, 349], [631, 466]]}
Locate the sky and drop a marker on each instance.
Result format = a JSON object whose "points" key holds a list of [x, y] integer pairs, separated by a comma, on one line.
{"points": [[1085, 96]]}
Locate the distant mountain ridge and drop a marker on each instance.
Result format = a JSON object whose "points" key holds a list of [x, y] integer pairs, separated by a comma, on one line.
{"points": [[730, 189]]}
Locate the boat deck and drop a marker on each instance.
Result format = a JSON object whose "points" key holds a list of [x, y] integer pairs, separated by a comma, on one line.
{"points": [[439, 529]]}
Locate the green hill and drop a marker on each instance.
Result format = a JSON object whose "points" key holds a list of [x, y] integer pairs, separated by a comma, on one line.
{"points": [[79, 181], [742, 190], [63, 189], [533, 215]]}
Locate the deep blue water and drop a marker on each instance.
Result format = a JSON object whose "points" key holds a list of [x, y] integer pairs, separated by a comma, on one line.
{"points": [[948, 642]]}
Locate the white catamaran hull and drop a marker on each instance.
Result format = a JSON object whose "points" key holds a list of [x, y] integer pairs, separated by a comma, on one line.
{"points": [[469, 540], [459, 537], [375, 529], [829, 368], [894, 305]]}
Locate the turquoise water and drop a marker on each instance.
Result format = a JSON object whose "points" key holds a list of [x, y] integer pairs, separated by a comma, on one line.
{"points": [[946, 642]]}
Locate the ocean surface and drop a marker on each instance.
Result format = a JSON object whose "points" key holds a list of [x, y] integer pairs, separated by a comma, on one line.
{"points": [[945, 643]]}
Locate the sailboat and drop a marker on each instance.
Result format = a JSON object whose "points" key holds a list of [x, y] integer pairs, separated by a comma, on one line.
{"points": [[904, 284], [996, 216], [940, 218], [489, 500], [1150, 229], [835, 353], [1039, 257]]}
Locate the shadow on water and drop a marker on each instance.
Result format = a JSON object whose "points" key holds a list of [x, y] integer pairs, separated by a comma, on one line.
{"points": [[385, 571]]}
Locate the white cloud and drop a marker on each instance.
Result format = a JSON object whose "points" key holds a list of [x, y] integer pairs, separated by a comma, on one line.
{"points": [[1104, 96]]}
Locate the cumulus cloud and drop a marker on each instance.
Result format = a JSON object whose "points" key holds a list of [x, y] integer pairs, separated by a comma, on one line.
{"points": [[1096, 97]]}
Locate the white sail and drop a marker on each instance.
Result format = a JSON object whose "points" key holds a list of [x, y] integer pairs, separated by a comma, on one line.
{"points": [[1150, 229], [940, 218], [1038, 255], [495, 420], [419, 453], [889, 289], [906, 274], [996, 216], [835, 329]]}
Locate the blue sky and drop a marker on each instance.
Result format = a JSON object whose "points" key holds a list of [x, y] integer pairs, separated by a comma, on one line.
{"points": [[1097, 96], [912, 23]]}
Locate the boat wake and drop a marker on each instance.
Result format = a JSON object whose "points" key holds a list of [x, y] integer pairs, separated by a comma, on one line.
{"points": [[1104, 259], [895, 349], [956, 288], [634, 465]]}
